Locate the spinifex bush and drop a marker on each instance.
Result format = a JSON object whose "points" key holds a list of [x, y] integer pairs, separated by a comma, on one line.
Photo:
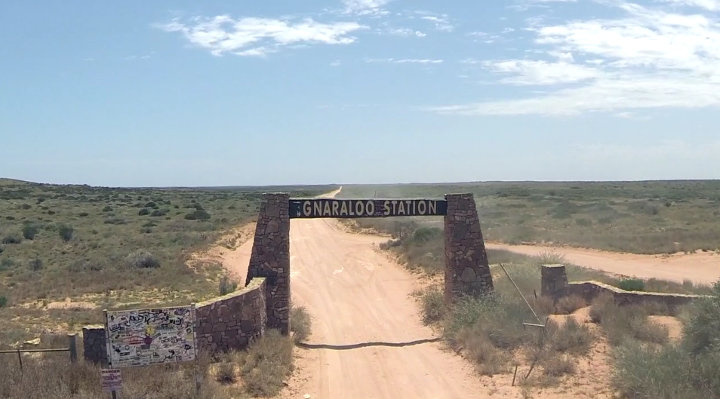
{"points": [[66, 232]]}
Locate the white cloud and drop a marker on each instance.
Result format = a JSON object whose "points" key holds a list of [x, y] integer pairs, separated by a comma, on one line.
{"points": [[365, 7], [403, 61], [441, 22], [712, 5], [405, 32], [259, 36], [527, 72], [649, 58]]}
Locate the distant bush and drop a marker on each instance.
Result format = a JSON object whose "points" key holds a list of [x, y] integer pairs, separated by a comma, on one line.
{"points": [[3, 301], [143, 212], [30, 230], [142, 259], [35, 264], [65, 232], [632, 284], [26, 206], [107, 208], [12, 238], [300, 323], [6, 263], [159, 212], [198, 214]]}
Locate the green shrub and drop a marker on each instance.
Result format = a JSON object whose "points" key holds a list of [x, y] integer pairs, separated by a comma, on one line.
{"points": [[12, 238], [142, 259], [702, 333], [3, 301], [65, 232], [198, 214], [300, 323], [30, 231], [143, 212], [632, 284], [107, 208], [433, 306]]}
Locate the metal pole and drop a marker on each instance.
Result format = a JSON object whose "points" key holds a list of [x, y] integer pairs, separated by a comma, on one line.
{"points": [[20, 361], [521, 294], [72, 348]]}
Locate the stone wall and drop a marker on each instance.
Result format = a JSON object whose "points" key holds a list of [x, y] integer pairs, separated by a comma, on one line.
{"points": [[94, 347], [466, 265], [232, 321], [270, 258], [555, 285]]}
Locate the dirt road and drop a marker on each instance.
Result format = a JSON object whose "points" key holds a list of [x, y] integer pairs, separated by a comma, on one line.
{"points": [[700, 267], [367, 339]]}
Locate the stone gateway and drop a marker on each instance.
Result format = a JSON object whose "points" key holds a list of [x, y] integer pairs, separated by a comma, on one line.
{"points": [[466, 266]]}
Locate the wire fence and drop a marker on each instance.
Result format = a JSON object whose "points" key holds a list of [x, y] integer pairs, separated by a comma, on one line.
{"points": [[71, 349]]}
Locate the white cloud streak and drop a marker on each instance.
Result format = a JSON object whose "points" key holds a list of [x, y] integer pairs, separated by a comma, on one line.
{"points": [[259, 36], [365, 7], [403, 61], [649, 58]]}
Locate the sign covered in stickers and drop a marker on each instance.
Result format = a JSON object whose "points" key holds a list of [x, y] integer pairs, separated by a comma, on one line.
{"points": [[142, 337]]}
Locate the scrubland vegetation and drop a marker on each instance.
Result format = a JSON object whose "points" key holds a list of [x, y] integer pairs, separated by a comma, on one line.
{"points": [[638, 217], [258, 371], [108, 248]]}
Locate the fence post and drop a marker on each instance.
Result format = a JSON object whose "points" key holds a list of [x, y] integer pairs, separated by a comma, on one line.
{"points": [[72, 347], [20, 360]]}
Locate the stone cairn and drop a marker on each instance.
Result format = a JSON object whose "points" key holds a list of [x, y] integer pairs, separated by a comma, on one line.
{"points": [[271, 258], [466, 265]]}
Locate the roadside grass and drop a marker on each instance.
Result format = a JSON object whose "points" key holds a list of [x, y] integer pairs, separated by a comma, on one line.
{"points": [[103, 245], [300, 323]]}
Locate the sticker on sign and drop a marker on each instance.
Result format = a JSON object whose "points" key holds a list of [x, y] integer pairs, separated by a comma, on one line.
{"points": [[111, 380]]}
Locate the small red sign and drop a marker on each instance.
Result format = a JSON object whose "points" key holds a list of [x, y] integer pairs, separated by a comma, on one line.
{"points": [[111, 380]]}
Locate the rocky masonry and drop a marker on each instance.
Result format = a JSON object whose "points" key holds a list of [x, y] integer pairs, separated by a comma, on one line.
{"points": [[466, 264], [232, 321], [270, 258], [554, 283]]}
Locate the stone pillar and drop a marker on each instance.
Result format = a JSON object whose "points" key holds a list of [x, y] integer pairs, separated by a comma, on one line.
{"points": [[466, 266], [271, 258], [94, 348], [553, 280]]}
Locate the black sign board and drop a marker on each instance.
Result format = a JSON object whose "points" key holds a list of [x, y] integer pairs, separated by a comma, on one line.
{"points": [[365, 208]]}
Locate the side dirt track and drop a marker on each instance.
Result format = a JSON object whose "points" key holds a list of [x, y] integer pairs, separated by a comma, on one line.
{"points": [[698, 267]]}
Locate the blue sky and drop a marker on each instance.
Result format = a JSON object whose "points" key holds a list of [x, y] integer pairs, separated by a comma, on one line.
{"points": [[169, 93]]}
